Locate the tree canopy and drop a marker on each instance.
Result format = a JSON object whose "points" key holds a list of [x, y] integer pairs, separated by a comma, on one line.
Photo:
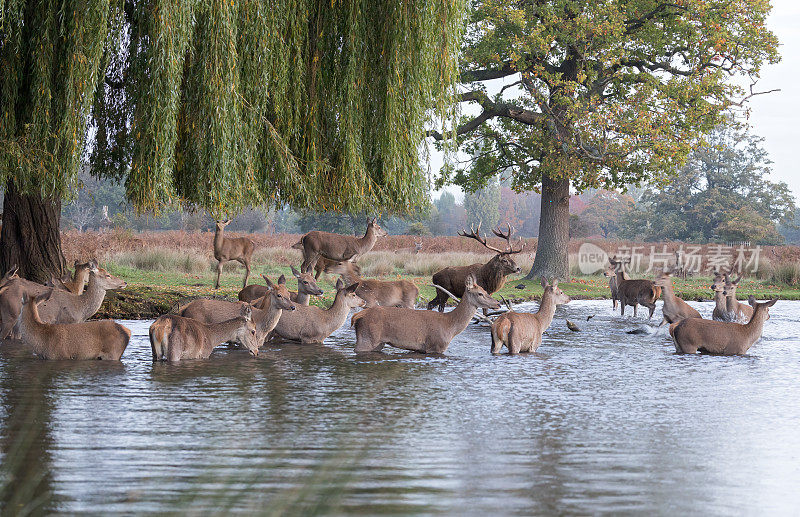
{"points": [[723, 192], [223, 104], [603, 93]]}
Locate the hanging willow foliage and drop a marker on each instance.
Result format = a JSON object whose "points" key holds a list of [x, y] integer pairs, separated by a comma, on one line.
{"points": [[220, 104]]}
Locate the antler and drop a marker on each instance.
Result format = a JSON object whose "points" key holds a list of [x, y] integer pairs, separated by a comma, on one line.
{"points": [[476, 234], [507, 236]]}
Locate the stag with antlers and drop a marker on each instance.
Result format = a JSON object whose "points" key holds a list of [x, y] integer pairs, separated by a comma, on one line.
{"points": [[490, 276]]}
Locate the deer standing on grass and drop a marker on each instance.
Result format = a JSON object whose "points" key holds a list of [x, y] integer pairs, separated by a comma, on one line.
{"points": [[633, 292], [674, 309], [175, 338], [337, 247], [310, 324], [720, 337], [384, 293], [226, 249], [102, 339], [420, 331], [266, 311], [62, 306], [522, 332], [490, 276], [737, 311]]}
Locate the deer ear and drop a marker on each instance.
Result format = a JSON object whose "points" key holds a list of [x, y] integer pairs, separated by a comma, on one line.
{"points": [[771, 302], [295, 272], [544, 282], [470, 282], [339, 285], [268, 281], [282, 280], [751, 300], [25, 298], [247, 312], [352, 288]]}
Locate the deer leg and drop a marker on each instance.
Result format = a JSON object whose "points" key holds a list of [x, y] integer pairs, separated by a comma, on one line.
{"points": [[635, 307], [219, 272], [622, 306], [309, 261], [652, 310], [246, 274]]}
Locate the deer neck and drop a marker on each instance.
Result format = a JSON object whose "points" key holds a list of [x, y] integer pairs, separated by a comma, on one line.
{"points": [[546, 311], [620, 277], [461, 316], [721, 300], [350, 278], [667, 292], [270, 313], [731, 303], [754, 327], [492, 275], [218, 239], [368, 240], [31, 327], [92, 298], [223, 331], [302, 298]]}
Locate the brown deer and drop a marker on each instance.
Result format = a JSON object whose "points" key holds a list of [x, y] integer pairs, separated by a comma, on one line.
{"points": [[321, 265], [490, 276], [720, 337], [10, 275], [674, 309], [612, 285], [266, 311], [737, 311], [633, 292], [333, 246], [384, 293], [412, 250], [310, 324], [239, 249], [306, 288], [65, 307], [720, 312], [176, 338], [76, 282], [102, 339], [421, 331], [62, 306], [521, 332]]}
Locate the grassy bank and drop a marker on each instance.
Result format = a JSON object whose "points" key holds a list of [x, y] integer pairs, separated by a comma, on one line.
{"points": [[160, 279]]}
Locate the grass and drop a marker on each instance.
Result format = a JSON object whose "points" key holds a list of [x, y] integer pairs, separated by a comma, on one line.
{"points": [[160, 278]]}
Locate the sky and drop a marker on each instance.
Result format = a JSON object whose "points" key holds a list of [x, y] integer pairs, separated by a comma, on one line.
{"points": [[775, 116]]}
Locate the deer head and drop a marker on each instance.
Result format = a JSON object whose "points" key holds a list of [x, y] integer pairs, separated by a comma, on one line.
{"points": [[503, 259], [477, 296], [306, 282], [351, 299], [246, 333], [279, 295], [759, 307], [379, 232], [552, 290]]}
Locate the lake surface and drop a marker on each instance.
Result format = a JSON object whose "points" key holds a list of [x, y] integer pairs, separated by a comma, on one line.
{"points": [[596, 421]]}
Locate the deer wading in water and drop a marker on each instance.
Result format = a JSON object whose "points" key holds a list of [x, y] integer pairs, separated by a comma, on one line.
{"points": [[490, 276]]}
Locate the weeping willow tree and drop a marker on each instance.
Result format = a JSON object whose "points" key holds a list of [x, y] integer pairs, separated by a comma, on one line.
{"points": [[217, 104]]}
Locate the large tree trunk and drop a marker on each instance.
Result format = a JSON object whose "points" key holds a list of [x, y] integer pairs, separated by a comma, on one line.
{"points": [[552, 256], [30, 236]]}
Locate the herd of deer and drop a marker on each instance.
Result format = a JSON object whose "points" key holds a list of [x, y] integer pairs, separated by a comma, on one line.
{"points": [[52, 319]]}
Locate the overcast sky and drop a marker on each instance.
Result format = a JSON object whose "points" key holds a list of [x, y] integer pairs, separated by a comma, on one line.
{"points": [[775, 116]]}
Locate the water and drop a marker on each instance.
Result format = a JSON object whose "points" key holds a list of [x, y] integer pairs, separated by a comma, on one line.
{"points": [[596, 421]]}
